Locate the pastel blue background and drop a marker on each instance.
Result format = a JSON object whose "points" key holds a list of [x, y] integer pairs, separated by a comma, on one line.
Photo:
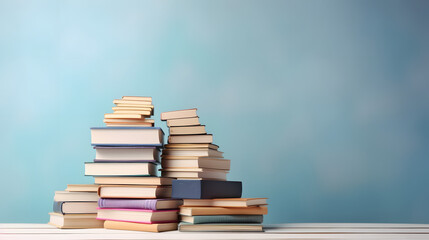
{"points": [[322, 106]]}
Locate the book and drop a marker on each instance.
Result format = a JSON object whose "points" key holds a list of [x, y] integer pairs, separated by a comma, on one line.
{"points": [[131, 121], [194, 121], [64, 196], [151, 204], [75, 207], [189, 173], [125, 124], [134, 191], [198, 162], [140, 112], [187, 113], [120, 115], [154, 181], [225, 202], [127, 136], [204, 138], [221, 227], [137, 215], [126, 154], [137, 98], [132, 102], [188, 130], [206, 189], [196, 211], [75, 220], [222, 219], [192, 152], [134, 105], [82, 188], [131, 226], [120, 169], [133, 109], [191, 145]]}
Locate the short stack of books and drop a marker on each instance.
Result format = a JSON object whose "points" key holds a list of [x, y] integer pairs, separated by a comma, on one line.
{"points": [[132, 197], [76, 207], [131, 111], [190, 152]]}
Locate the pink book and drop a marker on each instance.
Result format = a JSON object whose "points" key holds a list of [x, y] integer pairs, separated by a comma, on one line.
{"points": [[144, 216]]}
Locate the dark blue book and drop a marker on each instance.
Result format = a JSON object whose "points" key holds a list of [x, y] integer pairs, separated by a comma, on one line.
{"points": [[127, 136], [205, 189]]}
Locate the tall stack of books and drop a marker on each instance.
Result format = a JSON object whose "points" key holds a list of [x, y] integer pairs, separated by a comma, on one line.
{"points": [[132, 197], [190, 152], [210, 203], [76, 207]]}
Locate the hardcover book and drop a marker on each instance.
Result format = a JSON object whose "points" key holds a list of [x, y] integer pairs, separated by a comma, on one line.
{"points": [[82, 188], [188, 130], [134, 191], [131, 226], [199, 162], [152, 181], [206, 189], [196, 211], [75, 220], [127, 136], [126, 154], [192, 152], [137, 215], [150, 204], [180, 122], [222, 219], [64, 196], [203, 138], [120, 169], [75, 207], [225, 202], [221, 227], [187, 113], [190, 173]]}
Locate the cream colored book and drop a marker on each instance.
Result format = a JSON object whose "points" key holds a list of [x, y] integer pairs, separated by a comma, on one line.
{"points": [[120, 116], [133, 102], [193, 152], [134, 191], [194, 121], [203, 138], [190, 173], [75, 220], [133, 180], [137, 98], [145, 113], [143, 120], [199, 162], [188, 130], [187, 113], [82, 187], [119, 169], [183, 227], [200, 211], [131, 226], [144, 124], [190, 145], [132, 109], [64, 196], [142, 216], [134, 105], [225, 202]]}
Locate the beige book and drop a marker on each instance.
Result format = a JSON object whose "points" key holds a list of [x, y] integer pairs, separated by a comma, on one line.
{"points": [[225, 202], [75, 220], [82, 188], [200, 162], [120, 169], [78, 207], [137, 215], [134, 105], [132, 109], [204, 138], [120, 116], [133, 102], [144, 113], [187, 113], [143, 120], [189, 173], [199, 211], [64, 196], [188, 130], [220, 228], [134, 191], [137, 98], [156, 227], [191, 152], [144, 124], [190, 145], [133, 180], [183, 122]]}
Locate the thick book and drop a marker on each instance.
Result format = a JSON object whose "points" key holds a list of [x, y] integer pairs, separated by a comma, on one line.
{"points": [[75, 207], [180, 122], [221, 227], [225, 202], [206, 189], [197, 211], [120, 169], [126, 154], [137, 215], [195, 173], [82, 188], [75, 196], [192, 152], [127, 136], [222, 219], [203, 138], [198, 162], [131, 226], [134, 191], [186, 113], [190, 145], [75, 220], [153, 181], [188, 130], [151, 204]]}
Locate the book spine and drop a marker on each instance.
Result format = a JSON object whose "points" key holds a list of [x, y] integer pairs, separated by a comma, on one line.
{"points": [[228, 219], [149, 204], [58, 207]]}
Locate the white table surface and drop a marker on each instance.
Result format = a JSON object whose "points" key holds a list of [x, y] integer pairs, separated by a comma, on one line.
{"points": [[11, 231]]}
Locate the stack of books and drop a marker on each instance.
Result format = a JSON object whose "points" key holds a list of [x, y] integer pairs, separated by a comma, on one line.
{"points": [[132, 197], [131, 111], [76, 207], [190, 152]]}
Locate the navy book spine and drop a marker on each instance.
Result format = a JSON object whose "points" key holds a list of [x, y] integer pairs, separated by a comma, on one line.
{"points": [[58, 207], [205, 189]]}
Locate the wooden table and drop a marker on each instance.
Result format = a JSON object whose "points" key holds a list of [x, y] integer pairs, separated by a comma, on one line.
{"points": [[280, 231]]}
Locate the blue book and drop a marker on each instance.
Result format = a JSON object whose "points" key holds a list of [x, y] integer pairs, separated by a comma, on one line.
{"points": [[127, 136], [206, 189]]}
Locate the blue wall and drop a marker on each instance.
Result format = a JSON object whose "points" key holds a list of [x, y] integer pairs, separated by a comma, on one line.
{"points": [[322, 106]]}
